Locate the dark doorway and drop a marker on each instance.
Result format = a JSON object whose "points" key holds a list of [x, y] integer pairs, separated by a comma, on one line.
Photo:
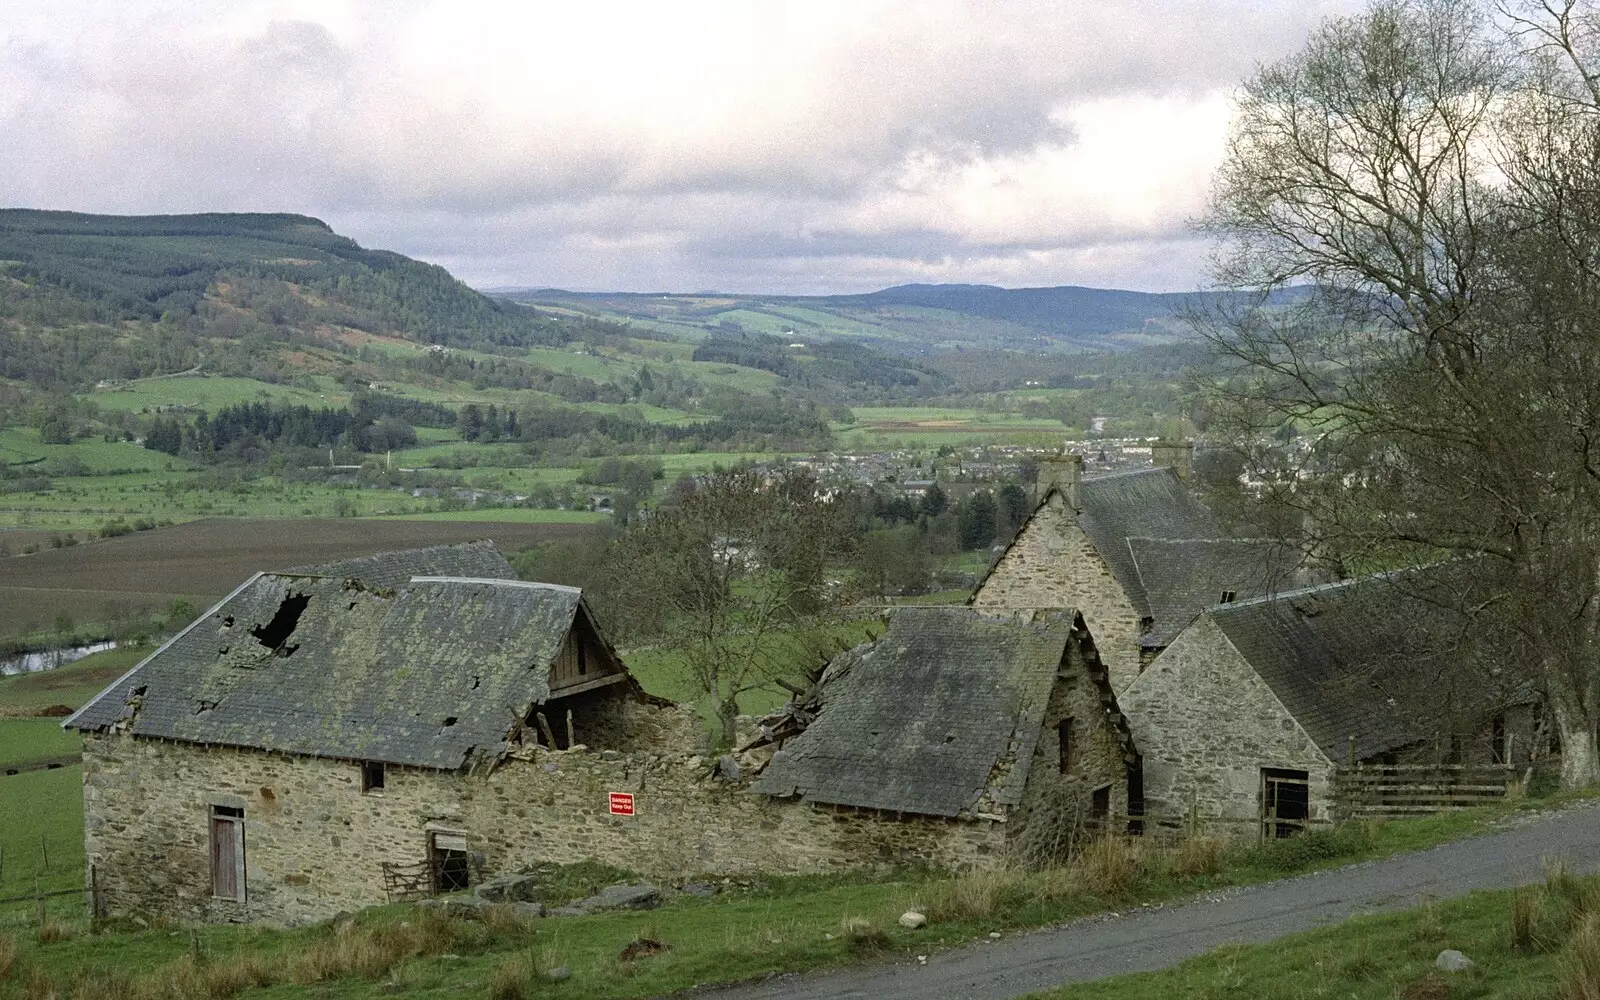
{"points": [[447, 856], [1285, 802]]}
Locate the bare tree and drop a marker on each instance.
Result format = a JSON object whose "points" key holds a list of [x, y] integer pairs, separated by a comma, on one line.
{"points": [[729, 577], [1415, 197]]}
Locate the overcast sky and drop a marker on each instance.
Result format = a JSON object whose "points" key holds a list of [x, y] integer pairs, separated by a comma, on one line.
{"points": [[669, 145]]}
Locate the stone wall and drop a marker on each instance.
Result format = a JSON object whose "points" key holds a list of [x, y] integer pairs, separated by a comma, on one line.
{"points": [[1206, 725], [1053, 564], [1050, 821], [315, 843]]}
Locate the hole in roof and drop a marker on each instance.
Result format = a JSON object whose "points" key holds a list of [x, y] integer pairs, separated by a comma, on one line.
{"points": [[273, 634], [450, 720], [227, 621], [475, 681], [203, 705], [949, 737]]}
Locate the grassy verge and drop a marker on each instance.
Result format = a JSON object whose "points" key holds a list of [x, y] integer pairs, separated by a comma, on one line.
{"points": [[1536, 943], [769, 925]]}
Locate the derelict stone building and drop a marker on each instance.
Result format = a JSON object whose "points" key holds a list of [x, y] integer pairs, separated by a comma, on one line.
{"points": [[959, 713], [1245, 718], [317, 742], [1135, 552]]}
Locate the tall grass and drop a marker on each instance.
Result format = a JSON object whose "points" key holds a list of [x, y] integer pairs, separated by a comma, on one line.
{"points": [[1580, 967]]}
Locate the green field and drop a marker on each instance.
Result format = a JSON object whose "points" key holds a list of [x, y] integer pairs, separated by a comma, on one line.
{"points": [[213, 392], [508, 515], [23, 741], [21, 445]]}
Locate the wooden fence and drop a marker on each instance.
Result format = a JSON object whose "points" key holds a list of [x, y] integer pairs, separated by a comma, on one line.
{"points": [[1396, 791]]}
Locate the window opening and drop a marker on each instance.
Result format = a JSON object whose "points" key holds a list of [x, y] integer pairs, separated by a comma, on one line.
{"points": [[274, 633], [1499, 748], [583, 662], [447, 859], [1100, 807], [1228, 596], [227, 853], [1285, 802], [1064, 734], [372, 775]]}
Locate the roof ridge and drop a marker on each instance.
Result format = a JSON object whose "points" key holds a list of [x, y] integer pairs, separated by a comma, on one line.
{"points": [[1126, 472], [527, 584], [1321, 587]]}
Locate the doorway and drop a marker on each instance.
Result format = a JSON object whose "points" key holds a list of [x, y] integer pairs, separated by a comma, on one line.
{"points": [[1285, 802], [447, 860]]}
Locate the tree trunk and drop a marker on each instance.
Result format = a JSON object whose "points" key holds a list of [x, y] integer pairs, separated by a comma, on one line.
{"points": [[1576, 725], [727, 721]]}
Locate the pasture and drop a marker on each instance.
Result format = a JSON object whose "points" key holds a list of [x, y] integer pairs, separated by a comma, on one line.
{"points": [[71, 685], [205, 559]]}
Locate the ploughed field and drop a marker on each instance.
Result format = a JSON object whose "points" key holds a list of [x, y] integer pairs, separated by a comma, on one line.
{"points": [[204, 560]]}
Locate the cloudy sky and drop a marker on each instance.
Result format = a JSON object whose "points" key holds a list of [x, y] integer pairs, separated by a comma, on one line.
{"points": [[669, 145]]}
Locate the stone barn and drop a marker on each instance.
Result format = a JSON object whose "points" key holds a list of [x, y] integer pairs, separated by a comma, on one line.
{"points": [[323, 740], [1135, 552], [1244, 719], [959, 713]]}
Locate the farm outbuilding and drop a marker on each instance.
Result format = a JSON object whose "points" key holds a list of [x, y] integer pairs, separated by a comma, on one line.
{"points": [[1250, 719]]}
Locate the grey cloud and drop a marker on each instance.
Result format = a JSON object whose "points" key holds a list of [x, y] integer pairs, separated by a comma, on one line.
{"points": [[143, 114]]}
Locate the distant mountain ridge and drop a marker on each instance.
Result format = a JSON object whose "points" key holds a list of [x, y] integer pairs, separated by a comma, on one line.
{"points": [[925, 316]]}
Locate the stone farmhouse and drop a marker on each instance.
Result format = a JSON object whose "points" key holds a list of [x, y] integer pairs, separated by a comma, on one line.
{"points": [[339, 736], [1135, 551], [1245, 716]]}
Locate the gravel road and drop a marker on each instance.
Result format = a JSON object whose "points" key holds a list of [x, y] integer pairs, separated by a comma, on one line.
{"points": [[1156, 938]]}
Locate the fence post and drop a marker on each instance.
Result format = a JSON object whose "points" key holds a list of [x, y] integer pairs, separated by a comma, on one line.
{"points": [[96, 910]]}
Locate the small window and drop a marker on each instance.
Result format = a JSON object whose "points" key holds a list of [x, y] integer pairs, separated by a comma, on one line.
{"points": [[1228, 596], [1499, 742], [583, 662], [1064, 734], [227, 853], [372, 776]]}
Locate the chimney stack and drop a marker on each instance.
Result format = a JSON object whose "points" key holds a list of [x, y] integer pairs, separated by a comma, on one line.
{"points": [[1178, 455], [1063, 471]]}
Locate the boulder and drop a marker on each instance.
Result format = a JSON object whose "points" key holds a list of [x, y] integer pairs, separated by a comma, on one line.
{"points": [[639, 896], [557, 974], [912, 920], [510, 889], [1451, 960]]}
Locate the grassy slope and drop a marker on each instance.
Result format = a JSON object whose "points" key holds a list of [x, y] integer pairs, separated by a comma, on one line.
{"points": [[23, 741], [71, 685]]}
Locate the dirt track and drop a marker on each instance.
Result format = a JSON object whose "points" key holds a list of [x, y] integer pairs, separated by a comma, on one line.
{"points": [[1157, 938]]}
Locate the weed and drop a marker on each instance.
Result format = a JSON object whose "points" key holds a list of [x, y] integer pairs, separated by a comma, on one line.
{"points": [[509, 980], [975, 895], [1109, 867], [1580, 967], [1527, 913], [39, 986], [863, 934], [504, 923], [1429, 987], [1558, 877], [8, 957], [1430, 927], [1199, 856], [1312, 847], [54, 932]]}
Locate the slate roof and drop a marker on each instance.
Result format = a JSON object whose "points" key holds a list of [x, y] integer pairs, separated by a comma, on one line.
{"points": [[916, 722], [425, 674], [1181, 577], [388, 570], [1146, 503], [1336, 654]]}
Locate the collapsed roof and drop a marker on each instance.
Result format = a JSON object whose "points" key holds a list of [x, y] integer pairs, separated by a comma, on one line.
{"points": [[918, 721], [427, 673]]}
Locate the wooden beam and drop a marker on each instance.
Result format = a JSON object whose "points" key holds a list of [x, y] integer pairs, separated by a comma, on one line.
{"points": [[579, 688]]}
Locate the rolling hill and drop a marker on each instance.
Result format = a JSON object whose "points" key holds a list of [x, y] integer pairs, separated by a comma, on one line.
{"points": [[907, 318]]}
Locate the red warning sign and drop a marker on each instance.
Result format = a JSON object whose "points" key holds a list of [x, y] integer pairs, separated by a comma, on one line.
{"points": [[622, 803]]}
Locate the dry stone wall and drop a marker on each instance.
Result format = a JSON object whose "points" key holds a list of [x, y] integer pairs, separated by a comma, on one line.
{"points": [[1053, 564], [315, 843], [1206, 724]]}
